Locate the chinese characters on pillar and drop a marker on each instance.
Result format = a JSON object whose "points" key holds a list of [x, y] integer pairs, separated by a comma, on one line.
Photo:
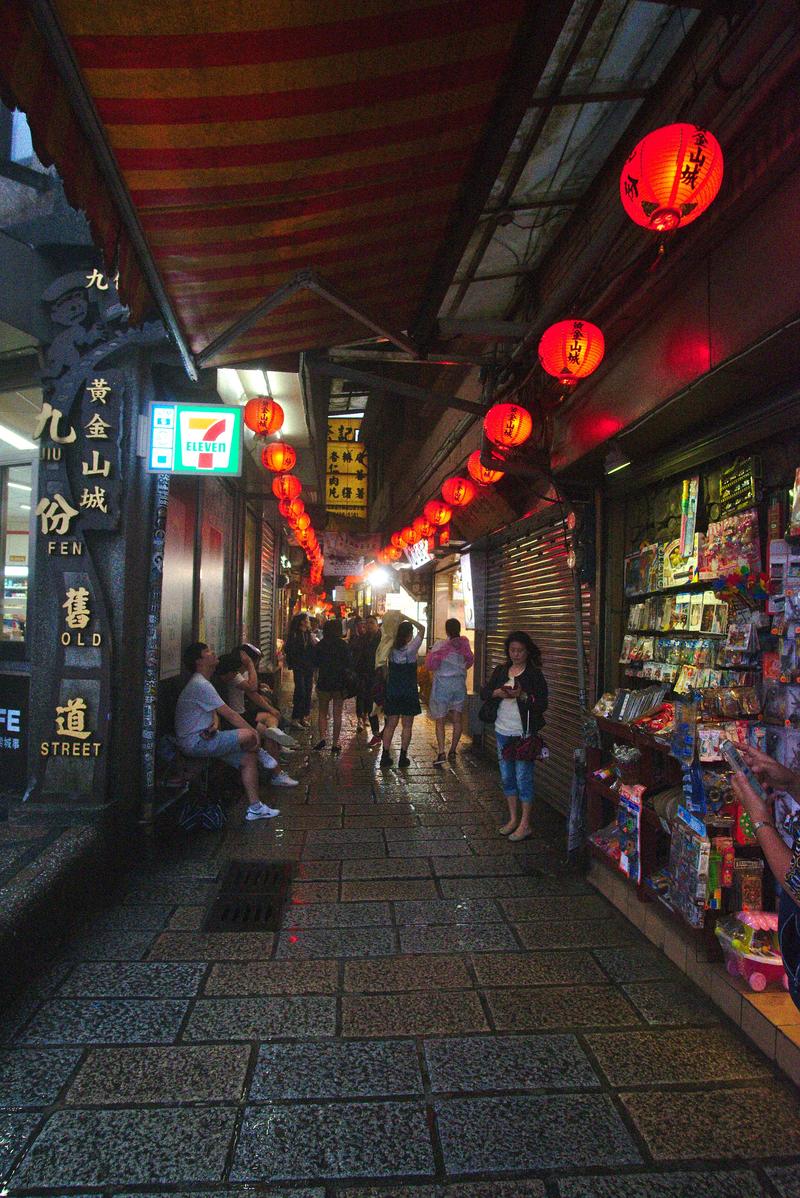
{"points": [[346, 477]]}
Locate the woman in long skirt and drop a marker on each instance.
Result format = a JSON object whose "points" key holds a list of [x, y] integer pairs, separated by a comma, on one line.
{"points": [[402, 692]]}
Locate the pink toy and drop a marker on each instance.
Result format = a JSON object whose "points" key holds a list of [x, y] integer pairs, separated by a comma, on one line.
{"points": [[749, 942]]}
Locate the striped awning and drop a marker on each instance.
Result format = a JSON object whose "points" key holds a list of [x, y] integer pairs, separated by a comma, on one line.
{"points": [[257, 140]]}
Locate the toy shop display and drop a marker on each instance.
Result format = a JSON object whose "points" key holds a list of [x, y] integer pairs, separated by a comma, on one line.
{"points": [[749, 941]]}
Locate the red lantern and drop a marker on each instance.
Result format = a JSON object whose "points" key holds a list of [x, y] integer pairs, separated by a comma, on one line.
{"points": [[398, 540], [290, 509], [444, 536], [458, 492], [410, 535], [423, 526], [508, 425], [571, 350], [393, 554], [286, 486], [303, 521], [263, 415], [279, 457], [382, 556], [480, 472], [303, 536], [671, 177], [438, 512]]}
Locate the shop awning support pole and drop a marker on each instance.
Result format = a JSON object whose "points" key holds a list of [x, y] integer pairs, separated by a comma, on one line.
{"points": [[152, 651]]}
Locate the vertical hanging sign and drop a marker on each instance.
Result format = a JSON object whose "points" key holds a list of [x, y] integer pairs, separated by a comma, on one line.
{"points": [[346, 478]]}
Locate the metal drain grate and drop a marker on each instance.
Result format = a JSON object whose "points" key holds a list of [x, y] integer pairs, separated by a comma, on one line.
{"points": [[251, 897]]}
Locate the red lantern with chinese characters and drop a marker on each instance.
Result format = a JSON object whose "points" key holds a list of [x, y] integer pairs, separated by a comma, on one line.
{"points": [[286, 486], [263, 415], [458, 492], [398, 540], [291, 508], [423, 526], [410, 535], [481, 473], [438, 512], [571, 350], [508, 425], [444, 536], [303, 521], [382, 556], [279, 457], [671, 177], [303, 536]]}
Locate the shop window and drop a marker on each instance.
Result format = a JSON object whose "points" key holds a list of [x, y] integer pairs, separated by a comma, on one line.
{"points": [[16, 488], [177, 593]]}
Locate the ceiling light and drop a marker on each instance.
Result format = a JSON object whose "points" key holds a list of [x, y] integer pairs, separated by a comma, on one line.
{"points": [[19, 486], [616, 459], [378, 578], [12, 438], [24, 507]]}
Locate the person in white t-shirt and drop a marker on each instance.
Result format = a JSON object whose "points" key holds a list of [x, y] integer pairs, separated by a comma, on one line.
{"points": [[197, 714]]}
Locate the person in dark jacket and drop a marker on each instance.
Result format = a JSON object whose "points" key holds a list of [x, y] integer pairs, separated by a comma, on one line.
{"points": [[299, 654], [517, 693], [363, 646], [333, 662]]}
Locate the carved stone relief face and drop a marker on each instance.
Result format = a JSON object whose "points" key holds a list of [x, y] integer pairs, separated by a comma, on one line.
{"points": [[70, 310]]}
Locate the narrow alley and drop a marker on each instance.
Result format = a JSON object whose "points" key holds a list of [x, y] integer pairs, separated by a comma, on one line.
{"points": [[443, 1015]]}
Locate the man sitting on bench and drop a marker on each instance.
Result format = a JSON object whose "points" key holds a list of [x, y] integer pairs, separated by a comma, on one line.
{"points": [[197, 714]]}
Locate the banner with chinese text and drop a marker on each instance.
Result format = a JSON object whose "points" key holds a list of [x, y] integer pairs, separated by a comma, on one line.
{"points": [[346, 470]]}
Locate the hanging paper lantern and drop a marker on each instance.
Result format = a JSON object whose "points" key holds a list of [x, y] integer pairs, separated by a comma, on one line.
{"points": [[398, 540], [382, 556], [302, 535], [393, 554], [286, 486], [444, 536], [481, 473], [671, 177], [303, 521], [458, 492], [263, 415], [410, 535], [508, 425], [423, 526], [291, 508], [438, 512], [279, 457], [571, 350]]}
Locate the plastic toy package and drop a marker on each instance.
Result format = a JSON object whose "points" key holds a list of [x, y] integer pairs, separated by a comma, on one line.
{"points": [[629, 819], [749, 942]]}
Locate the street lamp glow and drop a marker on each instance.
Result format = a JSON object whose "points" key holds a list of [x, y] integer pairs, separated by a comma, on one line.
{"points": [[378, 578]]}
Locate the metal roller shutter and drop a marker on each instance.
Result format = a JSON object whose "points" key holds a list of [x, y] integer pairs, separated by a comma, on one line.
{"points": [[529, 587], [266, 624]]}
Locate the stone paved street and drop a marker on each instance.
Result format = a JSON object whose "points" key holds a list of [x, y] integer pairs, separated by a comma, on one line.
{"points": [[443, 1015]]}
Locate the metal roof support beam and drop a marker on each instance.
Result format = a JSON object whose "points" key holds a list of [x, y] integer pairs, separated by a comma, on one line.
{"points": [[610, 97], [57, 43], [303, 280], [337, 354], [377, 382], [483, 330]]}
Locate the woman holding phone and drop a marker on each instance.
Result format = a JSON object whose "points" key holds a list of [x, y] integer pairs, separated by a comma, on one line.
{"points": [[517, 693]]}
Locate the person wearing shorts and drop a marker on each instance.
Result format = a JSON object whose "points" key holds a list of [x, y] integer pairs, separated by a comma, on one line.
{"points": [[197, 715], [449, 661]]}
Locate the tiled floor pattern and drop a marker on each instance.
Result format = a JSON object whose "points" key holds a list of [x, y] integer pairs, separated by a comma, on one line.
{"points": [[442, 1015]]}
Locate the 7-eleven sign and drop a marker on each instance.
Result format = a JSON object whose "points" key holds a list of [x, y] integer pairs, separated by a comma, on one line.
{"points": [[194, 439]]}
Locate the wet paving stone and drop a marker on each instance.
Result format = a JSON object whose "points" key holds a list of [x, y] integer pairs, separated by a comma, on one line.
{"points": [[526, 1133], [416, 1013], [16, 1130], [482, 1063], [128, 1147], [742, 1184], [458, 938], [461, 1189], [336, 915], [690, 1055], [487, 887], [343, 1069], [170, 890], [574, 933], [427, 848], [581, 906], [559, 968], [212, 946], [317, 871], [383, 868], [709, 1124], [448, 911], [132, 917], [273, 977], [33, 1077], [786, 1179], [303, 943], [370, 1139], [476, 867], [345, 852], [107, 1021], [133, 980], [671, 1003], [314, 892], [112, 945], [187, 919], [518, 1010], [261, 1018], [407, 973], [127, 1076], [636, 963], [400, 889]]}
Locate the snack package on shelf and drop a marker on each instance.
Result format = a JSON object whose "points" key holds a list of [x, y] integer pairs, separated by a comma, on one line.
{"points": [[660, 723], [605, 704], [732, 546]]}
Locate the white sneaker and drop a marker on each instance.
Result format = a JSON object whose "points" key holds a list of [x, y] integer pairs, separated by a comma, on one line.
{"points": [[262, 811], [283, 779], [281, 737], [265, 761]]}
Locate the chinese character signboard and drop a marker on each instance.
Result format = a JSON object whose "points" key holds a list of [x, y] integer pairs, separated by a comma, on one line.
{"points": [[419, 555], [14, 732], [348, 553], [346, 476], [194, 439]]}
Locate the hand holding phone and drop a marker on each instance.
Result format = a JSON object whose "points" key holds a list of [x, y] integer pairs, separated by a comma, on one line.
{"points": [[737, 762]]}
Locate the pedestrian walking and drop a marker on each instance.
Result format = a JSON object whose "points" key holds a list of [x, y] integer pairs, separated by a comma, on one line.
{"points": [[363, 647], [299, 653], [335, 681], [515, 700], [448, 661], [402, 692]]}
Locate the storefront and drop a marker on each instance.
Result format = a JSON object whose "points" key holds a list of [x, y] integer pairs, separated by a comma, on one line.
{"points": [[701, 608], [452, 600]]}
